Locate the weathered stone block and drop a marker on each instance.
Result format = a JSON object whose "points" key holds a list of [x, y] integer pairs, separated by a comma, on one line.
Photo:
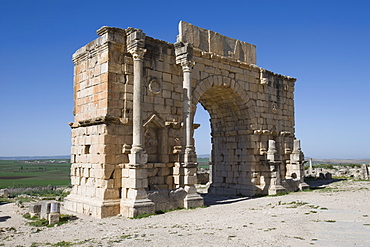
{"points": [[53, 218], [35, 209], [45, 209]]}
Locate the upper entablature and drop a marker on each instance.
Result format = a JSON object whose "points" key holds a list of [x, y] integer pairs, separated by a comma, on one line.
{"points": [[209, 41], [107, 34]]}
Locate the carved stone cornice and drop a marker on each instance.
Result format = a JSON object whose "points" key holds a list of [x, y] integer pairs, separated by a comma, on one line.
{"points": [[104, 30], [98, 120], [244, 65], [89, 51]]}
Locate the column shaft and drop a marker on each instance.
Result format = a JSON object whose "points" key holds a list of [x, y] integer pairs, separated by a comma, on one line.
{"points": [[137, 96], [188, 113]]}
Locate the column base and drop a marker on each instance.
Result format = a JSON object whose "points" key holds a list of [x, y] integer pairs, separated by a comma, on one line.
{"points": [[303, 186], [193, 201], [276, 189], [138, 158], [294, 185], [132, 208]]}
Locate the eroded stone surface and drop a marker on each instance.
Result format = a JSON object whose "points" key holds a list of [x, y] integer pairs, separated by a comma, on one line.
{"points": [[132, 135]]}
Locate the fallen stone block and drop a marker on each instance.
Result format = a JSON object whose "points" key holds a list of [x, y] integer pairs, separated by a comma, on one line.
{"points": [[34, 209], [53, 218], [45, 209]]}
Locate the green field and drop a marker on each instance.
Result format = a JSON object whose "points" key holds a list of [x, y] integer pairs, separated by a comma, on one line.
{"points": [[203, 163], [21, 173], [32, 173]]}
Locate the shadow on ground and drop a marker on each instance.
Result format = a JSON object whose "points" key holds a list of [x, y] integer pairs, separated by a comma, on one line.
{"points": [[211, 199], [317, 183], [4, 218]]}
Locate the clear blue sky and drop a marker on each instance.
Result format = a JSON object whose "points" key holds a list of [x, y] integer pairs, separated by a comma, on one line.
{"points": [[324, 44]]}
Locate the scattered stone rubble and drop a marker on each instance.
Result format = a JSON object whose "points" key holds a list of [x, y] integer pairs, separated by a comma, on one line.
{"points": [[339, 171], [134, 103]]}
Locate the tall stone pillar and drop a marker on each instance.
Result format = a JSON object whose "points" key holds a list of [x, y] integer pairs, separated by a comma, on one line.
{"points": [[134, 195], [136, 42], [274, 165], [295, 168], [271, 152], [184, 54]]}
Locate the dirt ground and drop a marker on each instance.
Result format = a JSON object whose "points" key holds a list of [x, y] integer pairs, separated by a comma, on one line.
{"points": [[335, 214]]}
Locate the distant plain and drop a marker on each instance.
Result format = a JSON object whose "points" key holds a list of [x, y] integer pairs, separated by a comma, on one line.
{"points": [[21, 173]]}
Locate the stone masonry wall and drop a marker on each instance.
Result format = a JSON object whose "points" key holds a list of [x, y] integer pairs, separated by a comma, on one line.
{"points": [[102, 130], [254, 150], [245, 114]]}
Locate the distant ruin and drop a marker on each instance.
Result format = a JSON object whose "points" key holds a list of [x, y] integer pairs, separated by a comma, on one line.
{"points": [[132, 137]]}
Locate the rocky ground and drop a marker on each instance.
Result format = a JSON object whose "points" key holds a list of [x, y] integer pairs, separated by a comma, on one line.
{"points": [[337, 213]]}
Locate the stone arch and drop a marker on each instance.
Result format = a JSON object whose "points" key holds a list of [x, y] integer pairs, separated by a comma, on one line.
{"points": [[232, 151], [144, 131], [217, 80]]}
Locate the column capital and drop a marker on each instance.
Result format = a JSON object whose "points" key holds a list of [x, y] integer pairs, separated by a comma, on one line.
{"points": [[136, 43], [187, 65], [137, 53]]}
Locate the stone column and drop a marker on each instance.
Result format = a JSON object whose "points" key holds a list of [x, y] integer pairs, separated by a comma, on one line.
{"points": [[188, 113], [184, 54], [310, 168], [136, 41], [134, 195]]}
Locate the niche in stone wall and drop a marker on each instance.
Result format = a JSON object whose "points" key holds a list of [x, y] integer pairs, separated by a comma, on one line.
{"points": [[154, 139]]}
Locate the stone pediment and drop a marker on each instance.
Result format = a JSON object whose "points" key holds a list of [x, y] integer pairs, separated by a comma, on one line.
{"points": [[156, 121]]}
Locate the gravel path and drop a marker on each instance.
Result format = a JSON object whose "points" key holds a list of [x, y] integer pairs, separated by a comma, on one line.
{"points": [[336, 215]]}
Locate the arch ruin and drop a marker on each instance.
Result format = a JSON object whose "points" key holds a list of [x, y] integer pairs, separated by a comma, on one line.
{"points": [[132, 136]]}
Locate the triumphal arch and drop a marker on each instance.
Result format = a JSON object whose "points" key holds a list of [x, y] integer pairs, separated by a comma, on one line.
{"points": [[132, 137]]}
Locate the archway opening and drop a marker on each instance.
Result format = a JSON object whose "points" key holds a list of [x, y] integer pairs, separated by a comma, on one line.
{"points": [[230, 156], [202, 136]]}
